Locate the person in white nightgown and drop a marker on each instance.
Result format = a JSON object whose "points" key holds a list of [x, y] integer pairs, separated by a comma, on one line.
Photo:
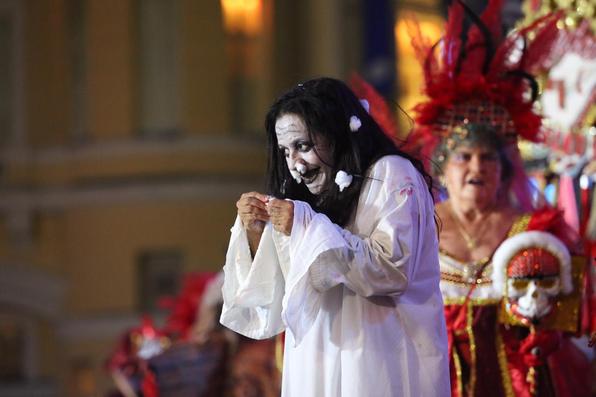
{"points": [[341, 254]]}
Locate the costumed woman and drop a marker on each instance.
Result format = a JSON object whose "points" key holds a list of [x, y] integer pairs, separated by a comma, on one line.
{"points": [[341, 254], [480, 99]]}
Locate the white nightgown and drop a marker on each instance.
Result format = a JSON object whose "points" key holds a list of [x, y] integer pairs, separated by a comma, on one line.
{"points": [[361, 306]]}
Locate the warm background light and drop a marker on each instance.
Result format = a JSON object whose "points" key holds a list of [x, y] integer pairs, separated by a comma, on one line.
{"points": [[408, 67], [242, 16]]}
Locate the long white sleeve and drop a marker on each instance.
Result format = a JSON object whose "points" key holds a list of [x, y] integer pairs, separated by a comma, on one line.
{"points": [[378, 264], [253, 289]]}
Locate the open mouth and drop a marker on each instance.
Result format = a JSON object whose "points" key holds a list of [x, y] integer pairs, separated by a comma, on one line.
{"points": [[310, 175], [475, 182]]}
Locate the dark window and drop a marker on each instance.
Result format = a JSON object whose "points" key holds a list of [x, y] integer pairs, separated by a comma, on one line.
{"points": [[159, 274], [12, 346]]}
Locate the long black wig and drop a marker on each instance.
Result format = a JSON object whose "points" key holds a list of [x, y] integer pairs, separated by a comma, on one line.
{"points": [[326, 106]]}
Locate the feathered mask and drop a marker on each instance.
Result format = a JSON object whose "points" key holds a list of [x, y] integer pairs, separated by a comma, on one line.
{"points": [[479, 76]]}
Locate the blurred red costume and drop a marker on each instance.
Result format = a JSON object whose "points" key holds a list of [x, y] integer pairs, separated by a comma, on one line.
{"points": [[481, 77]]}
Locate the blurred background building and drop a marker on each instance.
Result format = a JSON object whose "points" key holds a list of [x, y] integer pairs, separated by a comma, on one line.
{"points": [[128, 129]]}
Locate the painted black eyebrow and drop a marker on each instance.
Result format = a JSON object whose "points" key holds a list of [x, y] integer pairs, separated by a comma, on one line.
{"points": [[297, 142]]}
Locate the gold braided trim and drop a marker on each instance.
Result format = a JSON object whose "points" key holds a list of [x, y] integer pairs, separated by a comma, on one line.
{"points": [[462, 274], [502, 357], [470, 330], [458, 279], [458, 372], [279, 353], [520, 225], [460, 300]]}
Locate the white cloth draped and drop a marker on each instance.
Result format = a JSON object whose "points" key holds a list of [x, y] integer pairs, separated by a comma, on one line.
{"points": [[361, 306]]}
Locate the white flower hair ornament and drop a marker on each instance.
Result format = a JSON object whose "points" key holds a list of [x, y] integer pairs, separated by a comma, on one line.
{"points": [[355, 123], [343, 180], [365, 105]]}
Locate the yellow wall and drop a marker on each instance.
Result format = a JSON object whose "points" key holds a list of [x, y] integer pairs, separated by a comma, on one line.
{"points": [[204, 83], [51, 351], [110, 66], [47, 73], [237, 160], [93, 246], [103, 245]]}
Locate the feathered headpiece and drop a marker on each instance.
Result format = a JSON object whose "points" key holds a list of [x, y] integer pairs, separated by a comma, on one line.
{"points": [[377, 106], [480, 76]]}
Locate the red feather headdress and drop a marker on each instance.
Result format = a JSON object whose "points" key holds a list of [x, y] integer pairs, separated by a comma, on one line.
{"points": [[379, 109], [480, 76]]}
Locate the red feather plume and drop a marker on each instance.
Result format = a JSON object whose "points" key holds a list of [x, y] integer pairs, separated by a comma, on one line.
{"points": [[481, 69], [379, 110]]}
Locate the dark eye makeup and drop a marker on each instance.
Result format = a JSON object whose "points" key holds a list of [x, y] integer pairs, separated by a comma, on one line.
{"points": [[303, 146], [300, 146]]}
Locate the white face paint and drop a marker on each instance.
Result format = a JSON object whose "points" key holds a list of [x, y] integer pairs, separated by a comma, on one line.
{"points": [[307, 160]]}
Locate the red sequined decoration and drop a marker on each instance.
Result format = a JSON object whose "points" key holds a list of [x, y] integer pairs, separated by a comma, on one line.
{"points": [[533, 262]]}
